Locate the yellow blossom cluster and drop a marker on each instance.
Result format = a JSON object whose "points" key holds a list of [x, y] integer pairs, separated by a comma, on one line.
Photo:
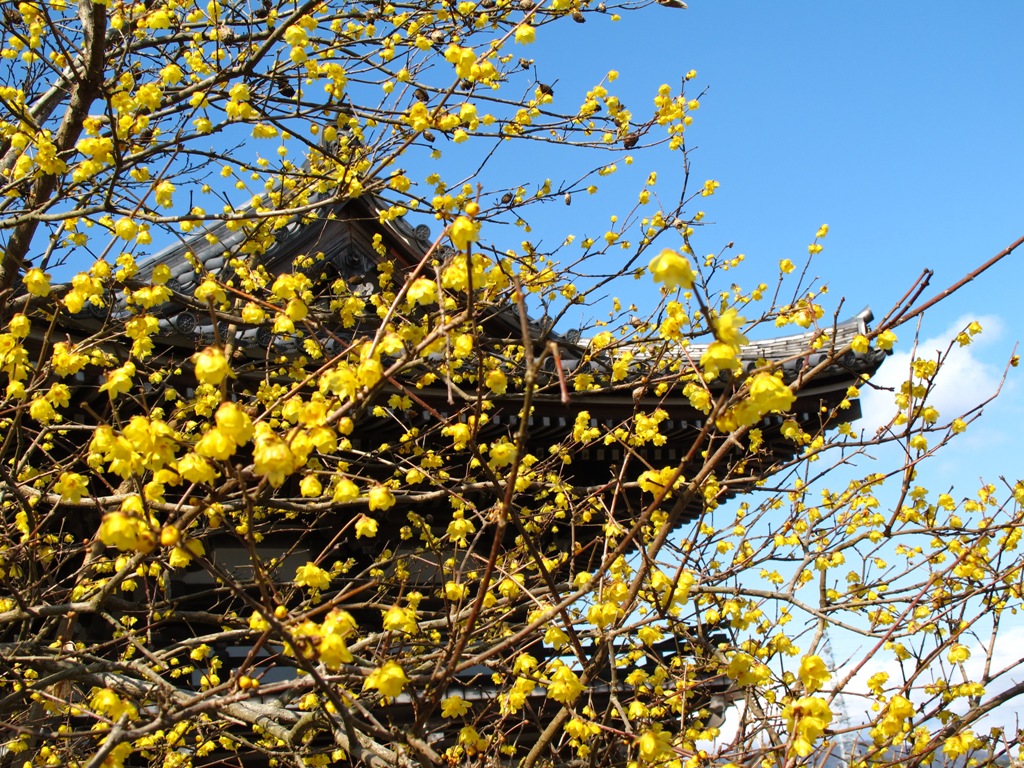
{"points": [[346, 389]]}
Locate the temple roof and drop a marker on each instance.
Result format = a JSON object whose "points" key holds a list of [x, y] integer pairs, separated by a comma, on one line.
{"points": [[342, 233], [343, 239]]}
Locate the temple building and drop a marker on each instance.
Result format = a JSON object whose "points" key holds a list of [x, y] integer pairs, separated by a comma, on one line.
{"points": [[586, 484]]}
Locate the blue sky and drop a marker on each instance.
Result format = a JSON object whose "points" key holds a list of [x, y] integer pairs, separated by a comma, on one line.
{"points": [[899, 125]]}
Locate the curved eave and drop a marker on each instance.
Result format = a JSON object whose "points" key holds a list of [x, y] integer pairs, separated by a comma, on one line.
{"points": [[295, 239], [795, 354]]}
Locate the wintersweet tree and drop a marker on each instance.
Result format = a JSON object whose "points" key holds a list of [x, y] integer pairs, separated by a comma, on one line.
{"points": [[301, 464]]}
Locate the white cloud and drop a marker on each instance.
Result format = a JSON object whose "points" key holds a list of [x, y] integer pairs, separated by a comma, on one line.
{"points": [[1007, 654], [965, 380], [1005, 663]]}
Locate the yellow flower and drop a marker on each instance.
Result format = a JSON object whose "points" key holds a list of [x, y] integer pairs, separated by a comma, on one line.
{"points": [[169, 535], [119, 380], [472, 740], [454, 706], [510, 588], [746, 671], [66, 361], [171, 75], [807, 719], [454, 591], [296, 310], [126, 229], [727, 328], [211, 366], [960, 744], [496, 381], [239, 92], [896, 714], [19, 326], [159, 19], [502, 455], [310, 486], [37, 282], [381, 498], [459, 528], [210, 291], [398, 619], [649, 635], [234, 422], [602, 615], [369, 372], [196, 469], [422, 292], [813, 673], [719, 357], [164, 193], [885, 340], [253, 313], [655, 745], [108, 703], [656, 480], [366, 526], [333, 650], [565, 686], [463, 232], [673, 270], [767, 393], [462, 58], [273, 459], [556, 637], [958, 654], [127, 532], [313, 576], [258, 622], [182, 554], [524, 664], [295, 35], [345, 490], [462, 345], [215, 445], [525, 34], [859, 344], [71, 487], [42, 411], [390, 679]]}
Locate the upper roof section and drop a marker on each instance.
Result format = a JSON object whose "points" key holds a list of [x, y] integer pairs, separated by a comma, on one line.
{"points": [[348, 241], [341, 236]]}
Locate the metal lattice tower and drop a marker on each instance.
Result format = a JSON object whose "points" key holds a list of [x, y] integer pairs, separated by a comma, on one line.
{"points": [[845, 739]]}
